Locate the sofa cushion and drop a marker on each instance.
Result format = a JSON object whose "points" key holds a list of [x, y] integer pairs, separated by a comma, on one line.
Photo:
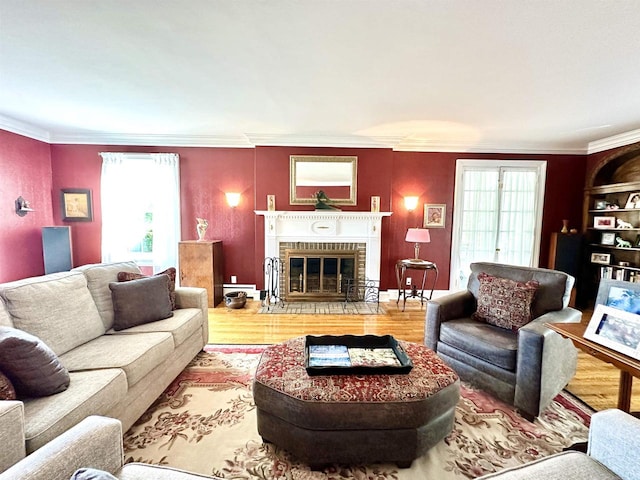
{"points": [[140, 301], [90, 393], [99, 275], [30, 364], [497, 346], [504, 302], [136, 354], [5, 318], [171, 272], [181, 325], [7, 390], [56, 308]]}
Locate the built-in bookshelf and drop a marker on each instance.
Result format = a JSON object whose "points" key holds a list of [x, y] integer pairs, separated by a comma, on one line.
{"points": [[611, 222]]}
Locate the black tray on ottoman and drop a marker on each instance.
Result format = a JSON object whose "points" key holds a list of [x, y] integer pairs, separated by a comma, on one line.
{"points": [[355, 355]]}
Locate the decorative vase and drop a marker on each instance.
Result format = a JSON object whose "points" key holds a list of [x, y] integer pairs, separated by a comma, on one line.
{"points": [[201, 228], [565, 226]]}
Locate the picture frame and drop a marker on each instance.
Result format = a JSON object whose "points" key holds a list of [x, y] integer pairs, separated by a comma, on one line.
{"points": [[604, 222], [633, 202], [616, 329], [271, 203], [600, 205], [434, 215], [601, 258], [375, 204], [76, 205], [608, 238]]}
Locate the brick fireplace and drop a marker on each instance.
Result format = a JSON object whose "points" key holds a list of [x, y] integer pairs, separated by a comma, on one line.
{"points": [[320, 249]]}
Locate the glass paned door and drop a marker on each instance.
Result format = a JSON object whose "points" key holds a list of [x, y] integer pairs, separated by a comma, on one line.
{"points": [[497, 215]]}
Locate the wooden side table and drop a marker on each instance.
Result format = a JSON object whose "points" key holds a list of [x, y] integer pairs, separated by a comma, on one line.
{"points": [[414, 264], [629, 367]]}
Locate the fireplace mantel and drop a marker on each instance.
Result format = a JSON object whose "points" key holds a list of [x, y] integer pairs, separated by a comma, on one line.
{"points": [[326, 226]]}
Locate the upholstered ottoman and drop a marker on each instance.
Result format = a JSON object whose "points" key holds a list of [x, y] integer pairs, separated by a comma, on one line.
{"points": [[354, 419]]}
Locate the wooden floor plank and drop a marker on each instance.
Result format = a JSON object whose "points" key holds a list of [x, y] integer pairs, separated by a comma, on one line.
{"points": [[595, 383]]}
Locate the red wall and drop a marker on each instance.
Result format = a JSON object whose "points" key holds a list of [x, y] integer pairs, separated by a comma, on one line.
{"points": [[207, 173], [25, 170]]}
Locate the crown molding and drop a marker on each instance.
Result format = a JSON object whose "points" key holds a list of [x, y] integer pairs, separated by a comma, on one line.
{"points": [[250, 140], [614, 141], [230, 141], [468, 147], [344, 141], [26, 130]]}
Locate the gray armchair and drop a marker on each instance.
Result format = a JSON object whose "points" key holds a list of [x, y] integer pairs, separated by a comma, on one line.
{"points": [[525, 368]]}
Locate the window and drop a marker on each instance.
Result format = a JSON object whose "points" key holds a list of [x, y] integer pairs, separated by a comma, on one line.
{"points": [[497, 215], [140, 197]]}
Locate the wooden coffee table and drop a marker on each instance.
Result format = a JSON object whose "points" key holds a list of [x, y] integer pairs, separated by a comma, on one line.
{"points": [[629, 367]]}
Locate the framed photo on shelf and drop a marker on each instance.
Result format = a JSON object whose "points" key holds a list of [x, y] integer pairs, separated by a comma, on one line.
{"points": [[601, 258], [604, 222], [76, 205], [600, 205], [616, 329], [434, 215], [633, 201], [608, 238]]}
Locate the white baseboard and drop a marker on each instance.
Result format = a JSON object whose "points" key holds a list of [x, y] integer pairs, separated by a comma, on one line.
{"points": [[251, 290]]}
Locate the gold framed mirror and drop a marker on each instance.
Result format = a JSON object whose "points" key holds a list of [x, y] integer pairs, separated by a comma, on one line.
{"points": [[335, 176]]}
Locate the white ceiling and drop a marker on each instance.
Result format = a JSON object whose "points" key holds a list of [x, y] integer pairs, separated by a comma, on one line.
{"points": [[433, 75]]}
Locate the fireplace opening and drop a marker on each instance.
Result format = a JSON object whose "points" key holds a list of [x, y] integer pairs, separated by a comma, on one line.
{"points": [[319, 275]]}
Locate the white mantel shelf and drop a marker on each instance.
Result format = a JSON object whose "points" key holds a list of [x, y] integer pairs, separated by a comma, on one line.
{"points": [[326, 226]]}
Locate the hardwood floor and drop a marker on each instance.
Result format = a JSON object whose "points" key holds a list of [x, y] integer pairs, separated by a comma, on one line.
{"points": [[595, 383]]}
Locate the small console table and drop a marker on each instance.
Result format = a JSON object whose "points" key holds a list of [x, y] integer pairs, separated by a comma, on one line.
{"points": [[401, 274]]}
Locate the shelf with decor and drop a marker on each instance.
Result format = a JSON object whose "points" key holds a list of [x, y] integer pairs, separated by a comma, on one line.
{"points": [[611, 227]]}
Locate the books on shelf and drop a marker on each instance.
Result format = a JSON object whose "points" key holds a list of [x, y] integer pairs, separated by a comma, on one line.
{"points": [[342, 356]]}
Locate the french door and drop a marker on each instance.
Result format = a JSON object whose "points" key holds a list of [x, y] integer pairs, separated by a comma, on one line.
{"points": [[497, 214]]}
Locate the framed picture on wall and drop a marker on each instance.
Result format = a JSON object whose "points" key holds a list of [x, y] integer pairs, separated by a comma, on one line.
{"points": [[76, 205], [434, 215]]}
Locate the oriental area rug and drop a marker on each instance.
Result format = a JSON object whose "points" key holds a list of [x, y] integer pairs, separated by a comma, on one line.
{"points": [[205, 422]]}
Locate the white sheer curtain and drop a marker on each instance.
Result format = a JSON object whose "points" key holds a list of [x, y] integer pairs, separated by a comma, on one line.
{"points": [[132, 187], [497, 215]]}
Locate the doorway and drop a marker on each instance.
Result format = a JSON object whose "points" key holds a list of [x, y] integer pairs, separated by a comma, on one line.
{"points": [[497, 214]]}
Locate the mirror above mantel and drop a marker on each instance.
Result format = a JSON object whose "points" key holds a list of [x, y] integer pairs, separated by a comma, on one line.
{"points": [[335, 176]]}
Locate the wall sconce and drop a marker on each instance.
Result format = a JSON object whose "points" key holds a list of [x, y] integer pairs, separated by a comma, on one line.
{"points": [[233, 199], [23, 207], [411, 203], [417, 236]]}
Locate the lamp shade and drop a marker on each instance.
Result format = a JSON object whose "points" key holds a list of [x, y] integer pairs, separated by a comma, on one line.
{"points": [[418, 235]]}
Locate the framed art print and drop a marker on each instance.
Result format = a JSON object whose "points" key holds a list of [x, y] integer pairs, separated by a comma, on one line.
{"points": [[76, 205], [434, 215], [604, 222]]}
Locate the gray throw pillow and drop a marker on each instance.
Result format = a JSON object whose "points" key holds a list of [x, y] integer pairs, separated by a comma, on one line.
{"points": [[140, 301], [91, 474], [30, 364]]}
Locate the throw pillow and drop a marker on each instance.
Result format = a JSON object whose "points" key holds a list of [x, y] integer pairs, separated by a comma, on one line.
{"points": [[140, 301], [503, 302], [7, 392], [171, 271], [91, 474], [30, 364]]}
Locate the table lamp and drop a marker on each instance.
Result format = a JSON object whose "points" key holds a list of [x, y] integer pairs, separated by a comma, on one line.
{"points": [[417, 236]]}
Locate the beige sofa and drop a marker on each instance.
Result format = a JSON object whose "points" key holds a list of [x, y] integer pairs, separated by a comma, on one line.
{"points": [[112, 373], [96, 443]]}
